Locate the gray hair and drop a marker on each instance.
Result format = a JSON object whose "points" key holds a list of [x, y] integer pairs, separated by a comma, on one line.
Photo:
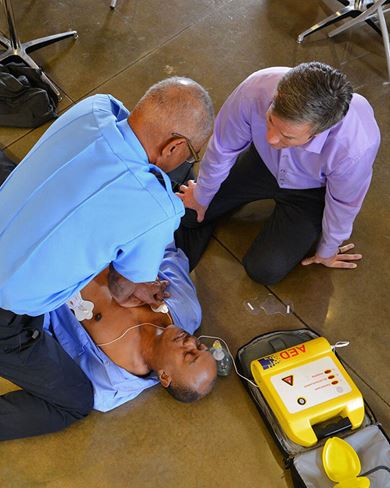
{"points": [[181, 105], [313, 93]]}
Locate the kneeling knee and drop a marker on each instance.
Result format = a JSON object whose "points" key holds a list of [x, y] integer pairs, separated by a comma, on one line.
{"points": [[263, 271]]}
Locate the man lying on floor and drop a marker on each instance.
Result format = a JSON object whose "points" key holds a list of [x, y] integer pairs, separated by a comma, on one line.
{"points": [[114, 355], [129, 359]]}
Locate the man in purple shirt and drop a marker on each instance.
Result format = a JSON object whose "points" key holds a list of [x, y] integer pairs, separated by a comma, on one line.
{"points": [[300, 137]]}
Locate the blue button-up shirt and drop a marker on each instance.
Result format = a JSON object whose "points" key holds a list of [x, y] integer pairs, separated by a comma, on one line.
{"points": [[84, 196], [112, 384], [340, 158]]}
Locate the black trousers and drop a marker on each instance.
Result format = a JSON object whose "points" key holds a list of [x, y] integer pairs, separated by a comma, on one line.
{"points": [[291, 231], [55, 391]]}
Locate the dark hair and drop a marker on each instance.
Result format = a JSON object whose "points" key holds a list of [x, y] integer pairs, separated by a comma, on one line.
{"points": [[183, 394], [313, 93], [186, 395]]}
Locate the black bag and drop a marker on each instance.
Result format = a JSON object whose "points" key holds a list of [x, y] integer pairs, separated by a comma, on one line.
{"points": [[370, 441], [26, 100]]}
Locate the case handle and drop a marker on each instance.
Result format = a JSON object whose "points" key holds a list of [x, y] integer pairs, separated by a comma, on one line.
{"points": [[326, 430]]}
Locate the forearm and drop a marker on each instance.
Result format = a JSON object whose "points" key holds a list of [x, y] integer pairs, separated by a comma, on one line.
{"points": [[337, 225], [343, 201], [232, 135], [120, 287], [213, 171]]}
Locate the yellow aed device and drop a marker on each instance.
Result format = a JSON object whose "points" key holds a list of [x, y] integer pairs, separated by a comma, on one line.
{"points": [[305, 385]]}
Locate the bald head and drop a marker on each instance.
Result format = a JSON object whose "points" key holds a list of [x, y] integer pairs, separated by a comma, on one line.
{"points": [[183, 364], [186, 393], [178, 105]]}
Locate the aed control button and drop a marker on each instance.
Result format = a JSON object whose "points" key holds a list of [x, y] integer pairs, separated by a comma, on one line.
{"points": [[301, 401]]}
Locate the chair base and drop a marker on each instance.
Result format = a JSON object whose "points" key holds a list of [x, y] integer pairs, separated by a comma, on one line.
{"points": [[360, 11], [375, 9], [352, 8], [16, 49], [20, 50]]}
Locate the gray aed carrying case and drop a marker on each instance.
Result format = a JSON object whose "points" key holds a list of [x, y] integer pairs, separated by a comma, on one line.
{"points": [[369, 441]]}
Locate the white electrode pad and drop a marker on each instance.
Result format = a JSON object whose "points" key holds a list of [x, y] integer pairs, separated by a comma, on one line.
{"points": [[82, 309], [163, 308]]}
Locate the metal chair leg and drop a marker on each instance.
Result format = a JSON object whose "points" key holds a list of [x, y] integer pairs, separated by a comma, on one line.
{"points": [[352, 8], [339, 15], [360, 18], [375, 9], [385, 36], [31, 46], [30, 62]]}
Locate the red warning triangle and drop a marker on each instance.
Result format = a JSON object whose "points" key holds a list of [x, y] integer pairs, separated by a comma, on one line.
{"points": [[289, 380]]}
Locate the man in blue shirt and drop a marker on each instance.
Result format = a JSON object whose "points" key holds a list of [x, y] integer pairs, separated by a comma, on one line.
{"points": [[91, 193]]}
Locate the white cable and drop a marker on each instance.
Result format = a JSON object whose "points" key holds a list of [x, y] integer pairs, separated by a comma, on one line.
{"points": [[340, 344], [127, 330], [134, 327], [335, 346]]}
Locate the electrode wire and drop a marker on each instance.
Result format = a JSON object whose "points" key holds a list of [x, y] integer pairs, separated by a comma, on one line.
{"points": [[134, 327], [335, 346]]}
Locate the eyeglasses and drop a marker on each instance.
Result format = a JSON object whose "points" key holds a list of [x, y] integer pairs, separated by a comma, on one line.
{"points": [[195, 158]]}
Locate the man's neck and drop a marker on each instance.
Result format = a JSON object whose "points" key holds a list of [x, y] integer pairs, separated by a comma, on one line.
{"points": [[145, 135]]}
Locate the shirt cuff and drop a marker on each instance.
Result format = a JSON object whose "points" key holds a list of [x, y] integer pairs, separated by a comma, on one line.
{"points": [[201, 196], [326, 250]]}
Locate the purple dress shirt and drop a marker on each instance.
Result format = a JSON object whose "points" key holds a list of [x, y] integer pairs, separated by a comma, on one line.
{"points": [[340, 158]]}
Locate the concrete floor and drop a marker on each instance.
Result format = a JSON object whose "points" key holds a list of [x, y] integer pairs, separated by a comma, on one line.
{"points": [[220, 442]]}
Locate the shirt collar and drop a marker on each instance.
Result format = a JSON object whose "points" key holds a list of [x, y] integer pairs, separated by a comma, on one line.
{"points": [[132, 140], [316, 144]]}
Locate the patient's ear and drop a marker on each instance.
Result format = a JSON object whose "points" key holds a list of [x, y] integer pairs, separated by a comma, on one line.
{"points": [[164, 378]]}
